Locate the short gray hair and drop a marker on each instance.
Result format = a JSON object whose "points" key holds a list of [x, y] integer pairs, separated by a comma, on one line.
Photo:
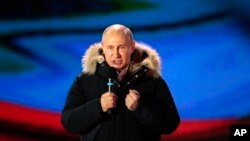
{"points": [[119, 27]]}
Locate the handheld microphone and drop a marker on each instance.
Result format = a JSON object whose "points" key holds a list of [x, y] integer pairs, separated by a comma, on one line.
{"points": [[110, 83]]}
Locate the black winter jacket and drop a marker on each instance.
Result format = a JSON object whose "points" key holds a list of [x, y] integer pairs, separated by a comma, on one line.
{"points": [[155, 115]]}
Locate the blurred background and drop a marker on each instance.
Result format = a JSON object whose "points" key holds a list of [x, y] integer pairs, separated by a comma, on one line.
{"points": [[204, 46]]}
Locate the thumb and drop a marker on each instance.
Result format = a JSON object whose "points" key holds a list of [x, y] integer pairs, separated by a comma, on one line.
{"points": [[130, 91], [133, 91]]}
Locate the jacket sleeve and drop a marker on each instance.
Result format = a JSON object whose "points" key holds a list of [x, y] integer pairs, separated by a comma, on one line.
{"points": [[159, 115], [79, 116]]}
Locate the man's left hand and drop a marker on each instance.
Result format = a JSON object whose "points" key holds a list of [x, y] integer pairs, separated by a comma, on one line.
{"points": [[132, 100]]}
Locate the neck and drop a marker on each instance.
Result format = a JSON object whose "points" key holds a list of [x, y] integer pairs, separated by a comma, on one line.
{"points": [[122, 73]]}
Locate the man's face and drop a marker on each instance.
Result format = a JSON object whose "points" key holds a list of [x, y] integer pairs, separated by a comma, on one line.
{"points": [[117, 49]]}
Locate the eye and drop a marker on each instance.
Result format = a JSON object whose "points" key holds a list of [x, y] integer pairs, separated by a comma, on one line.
{"points": [[110, 47], [122, 47]]}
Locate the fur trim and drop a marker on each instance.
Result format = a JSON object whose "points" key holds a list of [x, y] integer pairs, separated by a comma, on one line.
{"points": [[143, 55], [92, 56]]}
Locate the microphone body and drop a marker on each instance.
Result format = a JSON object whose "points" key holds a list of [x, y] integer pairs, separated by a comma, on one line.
{"points": [[110, 73], [110, 84]]}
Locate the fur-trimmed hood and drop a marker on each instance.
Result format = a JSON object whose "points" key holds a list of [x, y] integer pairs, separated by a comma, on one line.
{"points": [[143, 55]]}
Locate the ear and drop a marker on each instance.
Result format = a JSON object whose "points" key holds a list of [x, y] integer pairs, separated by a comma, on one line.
{"points": [[132, 47], [102, 44]]}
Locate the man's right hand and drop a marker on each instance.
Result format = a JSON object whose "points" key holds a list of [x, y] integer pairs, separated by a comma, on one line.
{"points": [[108, 101]]}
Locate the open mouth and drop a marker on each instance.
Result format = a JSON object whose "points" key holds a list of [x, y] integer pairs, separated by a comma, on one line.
{"points": [[117, 62]]}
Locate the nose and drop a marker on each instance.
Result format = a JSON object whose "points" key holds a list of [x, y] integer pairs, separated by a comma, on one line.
{"points": [[117, 53]]}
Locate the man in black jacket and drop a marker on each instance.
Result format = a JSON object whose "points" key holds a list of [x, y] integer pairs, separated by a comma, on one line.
{"points": [[120, 95]]}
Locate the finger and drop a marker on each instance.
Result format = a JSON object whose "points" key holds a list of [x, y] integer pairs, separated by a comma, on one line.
{"points": [[128, 101], [114, 96], [109, 95], [133, 96], [110, 102], [129, 97], [110, 98], [135, 92], [111, 105]]}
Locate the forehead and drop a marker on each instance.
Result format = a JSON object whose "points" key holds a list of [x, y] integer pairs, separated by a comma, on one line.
{"points": [[115, 37]]}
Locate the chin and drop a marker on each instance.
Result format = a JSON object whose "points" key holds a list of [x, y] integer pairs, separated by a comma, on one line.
{"points": [[120, 67]]}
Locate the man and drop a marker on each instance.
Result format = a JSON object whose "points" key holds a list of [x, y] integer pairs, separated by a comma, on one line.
{"points": [[120, 95]]}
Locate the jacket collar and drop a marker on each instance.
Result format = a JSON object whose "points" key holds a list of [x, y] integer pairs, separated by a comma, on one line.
{"points": [[143, 56]]}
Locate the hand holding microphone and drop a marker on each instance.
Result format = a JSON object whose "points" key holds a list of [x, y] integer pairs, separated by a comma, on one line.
{"points": [[108, 99]]}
